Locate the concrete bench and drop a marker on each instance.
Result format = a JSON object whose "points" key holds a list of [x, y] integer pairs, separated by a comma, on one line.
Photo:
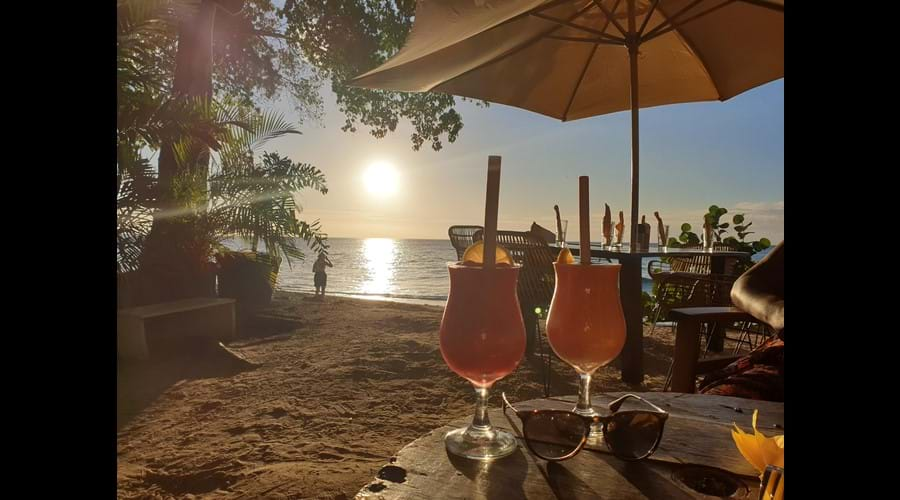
{"points": [[143, 330]]}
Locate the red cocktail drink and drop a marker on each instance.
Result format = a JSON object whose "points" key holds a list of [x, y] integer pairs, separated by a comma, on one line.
{"points": [[585, 324], [483, 340], [482, 332]]}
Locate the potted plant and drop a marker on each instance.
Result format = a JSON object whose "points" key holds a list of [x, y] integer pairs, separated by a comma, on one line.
{"points": [[257, 203], [241, 197], [719, 231]]}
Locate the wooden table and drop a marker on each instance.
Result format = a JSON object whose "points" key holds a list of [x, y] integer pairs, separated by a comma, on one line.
{"points": [[697, 434], [630, 282]]}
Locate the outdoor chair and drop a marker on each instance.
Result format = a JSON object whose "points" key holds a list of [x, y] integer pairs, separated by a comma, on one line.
{"points": [[461, 237], [536, 278], [682, 289], [697, 264], [706, 302], [752, 334], [669, 279], [758, 296], [759, 375], [687, 364]]}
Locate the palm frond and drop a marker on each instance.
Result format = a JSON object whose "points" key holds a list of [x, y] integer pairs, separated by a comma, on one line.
{"points": [[258, 203], [255, 129], [133, 16]]}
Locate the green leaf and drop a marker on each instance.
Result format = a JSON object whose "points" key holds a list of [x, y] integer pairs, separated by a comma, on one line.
{"points": [[724, 226], [685, 227], [713, 209], [738, 218], [765, 243]]}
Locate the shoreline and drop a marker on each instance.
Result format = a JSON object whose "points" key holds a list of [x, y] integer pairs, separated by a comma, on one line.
{"points": [[375, 297]]}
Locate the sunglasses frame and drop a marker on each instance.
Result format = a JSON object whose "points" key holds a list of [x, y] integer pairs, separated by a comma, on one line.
{"points": [[613, 406]]}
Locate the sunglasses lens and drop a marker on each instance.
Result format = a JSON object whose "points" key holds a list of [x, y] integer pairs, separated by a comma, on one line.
{"points": [[632, 436], [553, 435]]}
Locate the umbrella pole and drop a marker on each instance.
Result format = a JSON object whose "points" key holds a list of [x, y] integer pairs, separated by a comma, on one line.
{"points": [[633, 43], [635, 149]]}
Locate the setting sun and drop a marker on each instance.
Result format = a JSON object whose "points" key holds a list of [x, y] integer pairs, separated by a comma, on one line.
{"points": [[381, 179]]}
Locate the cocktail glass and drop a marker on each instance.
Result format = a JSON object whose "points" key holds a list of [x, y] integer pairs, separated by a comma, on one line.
{"points": [[482, 340], [561, 234], [586, 325]]}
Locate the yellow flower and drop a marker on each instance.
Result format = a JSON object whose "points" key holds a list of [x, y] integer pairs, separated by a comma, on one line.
{"points": [[760, 450]]}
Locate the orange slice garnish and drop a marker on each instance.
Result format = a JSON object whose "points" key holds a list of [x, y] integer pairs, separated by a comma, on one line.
{"points": [[565, 257], [475, 255]]}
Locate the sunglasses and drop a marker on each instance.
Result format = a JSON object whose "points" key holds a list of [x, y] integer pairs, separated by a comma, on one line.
{"points": [[560, 434]]}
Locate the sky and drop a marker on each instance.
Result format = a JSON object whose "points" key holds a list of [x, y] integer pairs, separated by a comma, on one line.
{"points": [[730, 154]]}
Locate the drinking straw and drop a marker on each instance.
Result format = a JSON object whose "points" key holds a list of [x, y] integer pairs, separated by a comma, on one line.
{"points": [[660, 228], [559, 235], [607, 223], [491, 206], [620, 232], [584, 220]]}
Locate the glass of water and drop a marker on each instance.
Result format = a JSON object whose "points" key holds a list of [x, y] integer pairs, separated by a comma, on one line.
{"points": [[772, 485], [663, 238], [561, 233]]}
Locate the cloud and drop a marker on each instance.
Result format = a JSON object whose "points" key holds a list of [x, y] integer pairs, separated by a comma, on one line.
{"points": [[767, 217], [760, 206]]}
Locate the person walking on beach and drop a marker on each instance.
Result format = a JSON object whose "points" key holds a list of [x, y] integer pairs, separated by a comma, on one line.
{"points": [[321, 279]]}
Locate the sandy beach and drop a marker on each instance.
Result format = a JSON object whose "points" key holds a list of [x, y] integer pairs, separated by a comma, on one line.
{"points": [[342, 385]]}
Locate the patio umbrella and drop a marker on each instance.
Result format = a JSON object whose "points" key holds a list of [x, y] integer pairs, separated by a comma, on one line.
{"points": [[572, 59]]}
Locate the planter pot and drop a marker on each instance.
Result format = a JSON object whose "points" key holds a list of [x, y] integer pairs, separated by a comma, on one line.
{"points": [[247, 277]]}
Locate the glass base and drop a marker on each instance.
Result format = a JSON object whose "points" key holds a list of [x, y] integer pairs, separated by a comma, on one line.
{"points": [[595, 437], [480, 444]]}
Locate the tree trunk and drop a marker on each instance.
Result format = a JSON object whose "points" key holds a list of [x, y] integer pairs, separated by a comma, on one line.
{"points": [[174, 260], [193, 79]]}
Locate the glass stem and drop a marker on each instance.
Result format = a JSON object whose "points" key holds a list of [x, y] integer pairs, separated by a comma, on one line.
{"points": [[481, 420], [584, 394]]}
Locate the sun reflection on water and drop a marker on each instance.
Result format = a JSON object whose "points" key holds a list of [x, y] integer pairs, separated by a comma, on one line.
{"points": [[379, 255]]}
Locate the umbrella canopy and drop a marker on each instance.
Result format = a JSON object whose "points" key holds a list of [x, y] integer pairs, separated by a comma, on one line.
{"points": [[572, 59]]}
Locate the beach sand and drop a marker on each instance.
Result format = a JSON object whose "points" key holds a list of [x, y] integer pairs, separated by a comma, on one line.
{"points": [[342, 385]]}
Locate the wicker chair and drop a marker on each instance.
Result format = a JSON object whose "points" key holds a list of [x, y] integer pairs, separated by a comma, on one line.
{"points": [[685, 290], [675, 290], [536, 278], [697, 264], [461, 237], [715, 291], [663, 272]]}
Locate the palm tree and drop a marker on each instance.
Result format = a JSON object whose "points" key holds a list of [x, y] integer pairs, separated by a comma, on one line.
{"points": [[196, 209]]}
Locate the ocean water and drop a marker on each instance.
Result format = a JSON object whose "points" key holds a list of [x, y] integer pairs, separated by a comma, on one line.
{"points": [[412, 271], [379, 268]]}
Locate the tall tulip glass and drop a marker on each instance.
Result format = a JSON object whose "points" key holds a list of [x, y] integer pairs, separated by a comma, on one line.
{"points": [[482, 340], [586, 325]]}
